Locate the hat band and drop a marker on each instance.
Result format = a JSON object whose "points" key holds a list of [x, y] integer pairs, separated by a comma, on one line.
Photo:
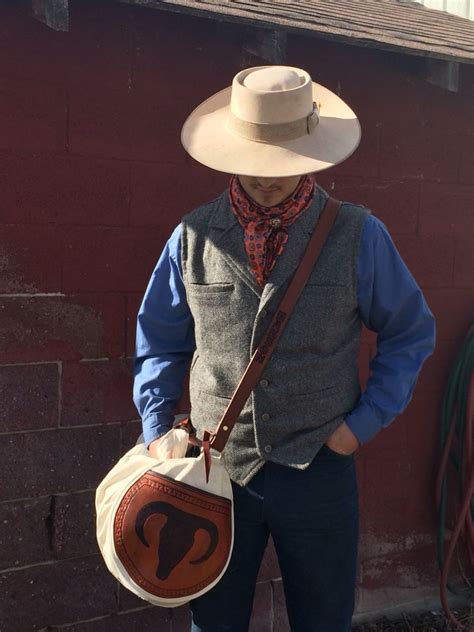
{"points": [[273, 132]]}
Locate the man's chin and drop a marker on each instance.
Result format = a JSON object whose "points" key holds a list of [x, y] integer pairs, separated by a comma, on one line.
{"points": [[268, 199]]}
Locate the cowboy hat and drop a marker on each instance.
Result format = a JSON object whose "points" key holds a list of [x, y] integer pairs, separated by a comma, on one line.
{"points": [[274, 121]]}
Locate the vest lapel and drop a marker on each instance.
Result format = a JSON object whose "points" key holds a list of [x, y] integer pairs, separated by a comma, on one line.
{"points": [[298, 237], [227, 235]]}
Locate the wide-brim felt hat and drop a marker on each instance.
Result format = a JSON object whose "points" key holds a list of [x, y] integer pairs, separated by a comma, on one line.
{"points": [[273, 121]]}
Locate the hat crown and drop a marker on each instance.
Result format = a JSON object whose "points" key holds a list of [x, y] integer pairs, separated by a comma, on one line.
{"points": [[271, 95], [273, 79]]}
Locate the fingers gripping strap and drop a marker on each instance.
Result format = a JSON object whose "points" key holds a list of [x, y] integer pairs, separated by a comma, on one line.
{"points": [[265, 349]]}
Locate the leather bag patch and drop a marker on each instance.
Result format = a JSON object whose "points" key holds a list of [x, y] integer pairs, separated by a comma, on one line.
{"points": [[173, 539]]}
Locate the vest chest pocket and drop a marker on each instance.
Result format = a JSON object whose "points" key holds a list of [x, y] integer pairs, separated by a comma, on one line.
{"points": [[216, 318], [199, 290]]}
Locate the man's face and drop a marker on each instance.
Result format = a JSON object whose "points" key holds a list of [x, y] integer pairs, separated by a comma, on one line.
{"points": [[269, 191]]}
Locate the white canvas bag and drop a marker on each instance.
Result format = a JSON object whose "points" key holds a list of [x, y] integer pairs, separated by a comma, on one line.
{"points": [[137, 473]]}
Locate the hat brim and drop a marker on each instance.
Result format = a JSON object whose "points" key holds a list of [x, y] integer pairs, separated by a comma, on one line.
{"points": [[206, 138]]}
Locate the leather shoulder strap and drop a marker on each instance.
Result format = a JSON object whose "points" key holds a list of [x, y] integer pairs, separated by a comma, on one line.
{"points": [[268, 343]]}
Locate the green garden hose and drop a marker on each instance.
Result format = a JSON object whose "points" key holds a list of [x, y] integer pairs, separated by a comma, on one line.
{"points": [[455, 481]]}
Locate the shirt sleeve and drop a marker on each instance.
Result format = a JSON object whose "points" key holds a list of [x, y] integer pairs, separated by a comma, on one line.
{"points": [[164, 343], [391, 304]]}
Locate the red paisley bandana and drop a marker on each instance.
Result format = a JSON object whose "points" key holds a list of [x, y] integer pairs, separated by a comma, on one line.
{"points": [[265, 228]]}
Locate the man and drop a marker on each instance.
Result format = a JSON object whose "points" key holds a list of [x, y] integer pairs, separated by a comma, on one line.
{"points": [[219, 279]]}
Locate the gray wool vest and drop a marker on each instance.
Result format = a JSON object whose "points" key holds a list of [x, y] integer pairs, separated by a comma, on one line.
{"points": [[311, 381]]}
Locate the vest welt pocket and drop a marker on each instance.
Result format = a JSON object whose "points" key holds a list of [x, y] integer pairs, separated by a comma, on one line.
{"points": [[321, 393], [312, 287], [210, 288], [225, 398]]}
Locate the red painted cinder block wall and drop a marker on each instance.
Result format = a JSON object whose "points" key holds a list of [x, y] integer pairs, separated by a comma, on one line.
{"points": [[93, 182]]}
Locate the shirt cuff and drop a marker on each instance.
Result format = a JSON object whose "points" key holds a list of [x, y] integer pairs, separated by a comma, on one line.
{"points": [[363, 424], [155, 426]]}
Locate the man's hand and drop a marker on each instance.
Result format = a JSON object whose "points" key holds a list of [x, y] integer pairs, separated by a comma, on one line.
{"points": [[156, 449], [343, 440], [172, 445]]}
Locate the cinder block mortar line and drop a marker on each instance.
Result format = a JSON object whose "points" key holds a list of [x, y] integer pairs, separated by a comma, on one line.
{"points": [[117, 594], [132, 46], [14, 569], [106, 359], [35, 295], [68, 117], [138, 609], [272, 607], [73, 293], [435, 288], [72, 225], [453, 266], [46, 81], [60, 392], [98, 293], [26, 155], [126, 325], [50, 526], [2, 364], [101, 425], [121, 437], [41, 362], [382, 182], [65, 626], [54, 226], [130, 194], [45, 496], [403, 236], [418, 210], [96, 156], [378, 156]]}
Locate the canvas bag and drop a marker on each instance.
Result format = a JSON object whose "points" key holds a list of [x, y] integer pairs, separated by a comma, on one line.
{"points": [[133, 556], [165, 527]]}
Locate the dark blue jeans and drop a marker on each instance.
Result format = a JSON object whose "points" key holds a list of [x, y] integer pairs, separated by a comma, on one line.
{"points": [[312, 516]]}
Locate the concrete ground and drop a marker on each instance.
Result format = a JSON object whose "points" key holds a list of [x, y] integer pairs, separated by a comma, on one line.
{"points": [[428, 622]]}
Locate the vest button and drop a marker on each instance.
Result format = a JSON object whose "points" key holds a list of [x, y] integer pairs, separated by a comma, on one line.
{"points": [[265, 417], [264, 313], [264, 383], [268, 449]]}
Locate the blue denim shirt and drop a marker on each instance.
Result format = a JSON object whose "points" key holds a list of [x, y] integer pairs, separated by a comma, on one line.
{"points": [[390, 303]]}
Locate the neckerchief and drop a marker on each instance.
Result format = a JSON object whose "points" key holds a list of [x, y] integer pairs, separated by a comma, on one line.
{"points": [[266, 228]]}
